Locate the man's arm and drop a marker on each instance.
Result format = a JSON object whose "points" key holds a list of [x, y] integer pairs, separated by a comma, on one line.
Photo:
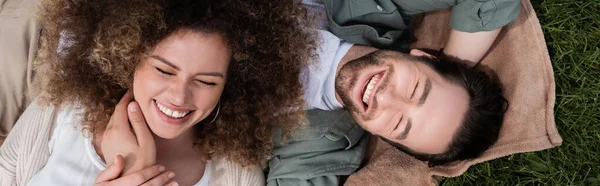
{"points": [[470, 46], [475, 24]]}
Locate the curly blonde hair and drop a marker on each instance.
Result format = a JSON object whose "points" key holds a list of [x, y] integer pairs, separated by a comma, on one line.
{"points": [[90, 50]]}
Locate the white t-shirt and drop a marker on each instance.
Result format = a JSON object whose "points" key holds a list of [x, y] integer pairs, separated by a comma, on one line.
{"points": [[73, 159], [318, 80]]}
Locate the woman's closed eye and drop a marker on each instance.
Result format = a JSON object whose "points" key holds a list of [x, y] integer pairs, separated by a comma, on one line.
{"points": [[206, 82], [163, 72], [201, 82]]}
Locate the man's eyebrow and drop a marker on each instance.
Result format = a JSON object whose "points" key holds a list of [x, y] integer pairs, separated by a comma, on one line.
{"points": [[165, 61], [406, 130], [425, 92]]}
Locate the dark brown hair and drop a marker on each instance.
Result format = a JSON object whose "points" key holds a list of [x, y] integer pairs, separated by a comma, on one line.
{"points": [[90, 50]]}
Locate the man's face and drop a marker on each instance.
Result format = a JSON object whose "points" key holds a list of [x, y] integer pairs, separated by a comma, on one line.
{"points": [[403, 100]]}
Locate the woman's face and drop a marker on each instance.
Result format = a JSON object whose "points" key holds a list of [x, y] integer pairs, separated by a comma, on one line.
{"points": [[181, 82]]}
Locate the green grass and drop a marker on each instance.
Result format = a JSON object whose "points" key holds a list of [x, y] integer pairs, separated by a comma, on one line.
{"points": [[572, 32]]}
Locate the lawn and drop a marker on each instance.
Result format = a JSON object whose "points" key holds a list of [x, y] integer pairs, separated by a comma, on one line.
{"points": [[572, 32]]}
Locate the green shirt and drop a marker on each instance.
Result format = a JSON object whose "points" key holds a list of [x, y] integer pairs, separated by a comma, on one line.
{"points": [[332, 144], [380, 23]]}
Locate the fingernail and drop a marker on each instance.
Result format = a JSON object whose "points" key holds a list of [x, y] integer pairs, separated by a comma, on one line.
{"points": [[115, 160], [171, 175], [175, 184], [161, 168], [132, 107]]}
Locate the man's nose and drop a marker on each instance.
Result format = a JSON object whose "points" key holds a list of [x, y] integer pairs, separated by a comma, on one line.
{"points": [[394, 98], [396, 102]]}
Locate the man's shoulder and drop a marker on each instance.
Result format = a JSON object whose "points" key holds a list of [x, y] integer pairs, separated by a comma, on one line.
{"points": [[333, 125], [331, 144]]}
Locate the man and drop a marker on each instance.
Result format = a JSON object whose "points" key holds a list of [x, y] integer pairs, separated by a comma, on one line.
{"points": [[428, 105]]}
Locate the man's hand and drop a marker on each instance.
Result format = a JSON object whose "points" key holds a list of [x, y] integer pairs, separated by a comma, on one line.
{"points": [[154, 175], [137, 146]]}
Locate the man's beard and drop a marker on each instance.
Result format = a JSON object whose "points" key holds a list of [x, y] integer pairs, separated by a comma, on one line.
{"points": [[344, 81]]}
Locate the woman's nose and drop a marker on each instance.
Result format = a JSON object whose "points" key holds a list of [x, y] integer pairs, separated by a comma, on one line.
{"points": [[178, 93]]}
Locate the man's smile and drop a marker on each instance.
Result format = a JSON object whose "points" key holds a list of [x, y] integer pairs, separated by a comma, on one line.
{"points": [[366, 90]]}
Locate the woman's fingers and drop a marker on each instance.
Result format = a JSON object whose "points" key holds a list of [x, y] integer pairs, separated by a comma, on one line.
{"points": [[141, 177], [161, 179], [112, 171], [140, 128], [173, 183], [147, 150], [120, 113]]}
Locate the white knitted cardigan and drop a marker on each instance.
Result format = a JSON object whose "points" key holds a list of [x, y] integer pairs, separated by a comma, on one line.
{"points": [[25, 152]]}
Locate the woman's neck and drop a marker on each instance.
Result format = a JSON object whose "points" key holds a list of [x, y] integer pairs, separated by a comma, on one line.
{"points": [[180, 156], [183, 144]]}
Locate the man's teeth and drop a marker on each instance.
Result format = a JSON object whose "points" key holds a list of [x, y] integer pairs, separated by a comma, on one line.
{"points": [[369, 89], [171, 113]]}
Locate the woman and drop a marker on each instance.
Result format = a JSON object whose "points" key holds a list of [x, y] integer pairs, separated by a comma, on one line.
{"points": [[209, 78]]}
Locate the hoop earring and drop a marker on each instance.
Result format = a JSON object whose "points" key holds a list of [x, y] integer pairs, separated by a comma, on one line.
{"points": [[218, 109]]}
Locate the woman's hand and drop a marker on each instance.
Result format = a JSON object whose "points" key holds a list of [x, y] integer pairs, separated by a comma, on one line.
{"points": [[154, 175], [137, 146]]}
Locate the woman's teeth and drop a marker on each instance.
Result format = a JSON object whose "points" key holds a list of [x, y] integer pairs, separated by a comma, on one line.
{"points": [[370, 85], [171, 113]]}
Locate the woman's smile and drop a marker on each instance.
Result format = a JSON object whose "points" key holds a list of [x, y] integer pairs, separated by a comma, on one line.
{"points": [[171, 116]]}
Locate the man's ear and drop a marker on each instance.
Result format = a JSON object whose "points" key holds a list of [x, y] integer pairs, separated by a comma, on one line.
{"points": [[420, 53]]}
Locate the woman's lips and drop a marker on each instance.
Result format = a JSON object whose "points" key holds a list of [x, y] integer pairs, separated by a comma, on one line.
{"points": [[168, 119]]}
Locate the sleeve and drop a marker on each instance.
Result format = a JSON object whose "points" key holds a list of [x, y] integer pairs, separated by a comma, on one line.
{"points": [[468, 15], [313, 156], [481, 15], [301, 163], [317, 181], [19, 35], [9, 154], [18, 155]]}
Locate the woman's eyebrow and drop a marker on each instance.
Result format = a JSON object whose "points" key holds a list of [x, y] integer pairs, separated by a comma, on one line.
{"points": [[165, 61], [216, 74]]}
